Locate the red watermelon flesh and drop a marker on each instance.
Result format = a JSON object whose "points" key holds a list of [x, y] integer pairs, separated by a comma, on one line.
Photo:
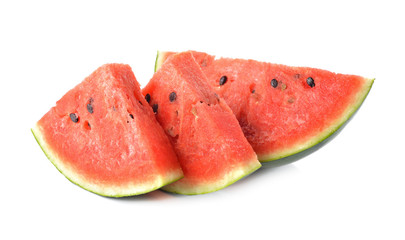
{"points": [[209, 142], [298, 109], [103, 136]]}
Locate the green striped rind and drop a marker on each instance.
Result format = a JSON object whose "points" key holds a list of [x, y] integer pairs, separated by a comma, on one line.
{"points": [[182, 187], [160, 58], [129, 189], [158, 61], [350, 110]]}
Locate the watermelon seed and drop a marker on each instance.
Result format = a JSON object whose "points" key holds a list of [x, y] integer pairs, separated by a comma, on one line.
{"points": [[274, 83], [87, 125], [90, 108], [296, 76], [194, 112], [132, 116], [223, 80], [311, 82], [291, 100], [170, 131], [252, 88], [155, 108], [172, 97], [140, 103], [114, 108], [147, 97], [74, 117], [283, 86]]}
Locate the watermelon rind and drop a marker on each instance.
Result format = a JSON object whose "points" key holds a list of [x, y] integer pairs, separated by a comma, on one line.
{"points": [[160, 57], [98, 188], [228, 179], [316, 139]]}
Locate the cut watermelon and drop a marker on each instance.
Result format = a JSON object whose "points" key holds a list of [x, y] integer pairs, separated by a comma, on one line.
{"points": [[209, 142], [103, 136], [282, 110]]}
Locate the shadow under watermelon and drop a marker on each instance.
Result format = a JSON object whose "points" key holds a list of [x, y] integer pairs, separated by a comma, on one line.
{"points": [[283, 165]]}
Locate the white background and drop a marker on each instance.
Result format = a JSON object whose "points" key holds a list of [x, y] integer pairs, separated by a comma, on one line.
{"points": [[351, 188]]}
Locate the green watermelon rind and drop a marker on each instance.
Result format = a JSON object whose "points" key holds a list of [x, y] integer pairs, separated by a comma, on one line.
{"points": [[325, 134], [230, 178], [160, 57], [107, 191]]}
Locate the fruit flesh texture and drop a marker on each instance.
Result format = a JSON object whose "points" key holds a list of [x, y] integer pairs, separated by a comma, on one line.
{"points": [[210, 145], [119, 149], [291, 117]]}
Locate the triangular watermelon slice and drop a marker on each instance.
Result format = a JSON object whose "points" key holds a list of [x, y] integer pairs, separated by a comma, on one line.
{"points": [[282, 110], [208, 140], [103, 136]]}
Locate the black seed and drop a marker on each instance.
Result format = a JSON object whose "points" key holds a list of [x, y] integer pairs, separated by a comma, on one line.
{"points": [[172, 97], [311, 82], [201, 101], [74, 117], [132, 116], [155, 108], [90, 106], [140, 103], [253, 91], [147, 97], [88, 124], [223, 80], [274, 83]]}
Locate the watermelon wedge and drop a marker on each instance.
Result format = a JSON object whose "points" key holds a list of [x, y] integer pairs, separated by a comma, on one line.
{"points": [[103, 136], [282, 110], [208, 140]]}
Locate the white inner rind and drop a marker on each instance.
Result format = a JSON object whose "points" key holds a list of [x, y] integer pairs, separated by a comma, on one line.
{"points": [[229, 178], [128, 189]]}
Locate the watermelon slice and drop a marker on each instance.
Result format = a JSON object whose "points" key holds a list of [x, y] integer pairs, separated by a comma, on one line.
{"points": [[208, 140], [103, 136], [282, 110]]}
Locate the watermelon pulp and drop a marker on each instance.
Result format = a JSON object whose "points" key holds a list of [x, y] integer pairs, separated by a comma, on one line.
{"points": [[208, 140], [103, 136], [282, 110]]}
